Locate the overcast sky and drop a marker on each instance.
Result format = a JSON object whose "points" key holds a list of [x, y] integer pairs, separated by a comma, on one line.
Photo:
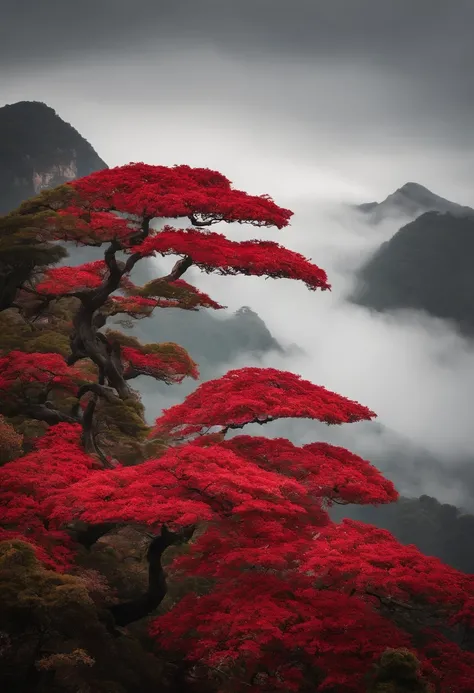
{"points": [[328, 96], [313, 102]]}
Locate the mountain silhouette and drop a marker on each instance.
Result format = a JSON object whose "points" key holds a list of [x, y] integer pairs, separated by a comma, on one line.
{"points": [[409, 202], [426, 265]]}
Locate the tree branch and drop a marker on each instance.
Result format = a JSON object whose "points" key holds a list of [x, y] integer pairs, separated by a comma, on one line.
{"points": [[45, 412], [195, 221], [87, 536], [179, 269], [260, 422], [388, 601], [136, 609], [99, 390]]}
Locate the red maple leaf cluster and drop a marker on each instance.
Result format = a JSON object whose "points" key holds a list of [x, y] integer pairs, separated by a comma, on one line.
{"points": [[26, 485], [256, 395], [61, 281], [213, 252], [20, 371], [326, 470], [180, 191], [84, 226]]}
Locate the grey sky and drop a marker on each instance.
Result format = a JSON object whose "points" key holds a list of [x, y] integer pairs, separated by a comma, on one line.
{"points": [[346, 83], [423, 34], [309, 101]]}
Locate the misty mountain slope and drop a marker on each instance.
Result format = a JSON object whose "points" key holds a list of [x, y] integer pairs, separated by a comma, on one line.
{"points": [[211, 337], [39, 150], [427, 265], [410, 201]]}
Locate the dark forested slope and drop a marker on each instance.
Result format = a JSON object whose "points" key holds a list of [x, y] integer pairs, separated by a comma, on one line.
{"points": [[426, 265]]}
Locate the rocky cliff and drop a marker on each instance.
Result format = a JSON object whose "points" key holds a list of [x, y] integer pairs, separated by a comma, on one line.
{"points": [[39, 150]]}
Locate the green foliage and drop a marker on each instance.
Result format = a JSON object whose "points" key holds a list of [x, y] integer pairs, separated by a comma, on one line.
{"points": [[16, 333], [160, 288], [48, 341], [55, 639], [123, 339], [26, 243], [126, 416], [28, 589], [11, 442], [24, 240], [398, 671]]}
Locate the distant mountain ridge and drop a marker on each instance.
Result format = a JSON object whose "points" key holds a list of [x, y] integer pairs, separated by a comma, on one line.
{"points": [[409, 202], [39, 150]]}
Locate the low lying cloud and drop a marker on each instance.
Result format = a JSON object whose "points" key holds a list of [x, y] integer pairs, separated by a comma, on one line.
{"points": [[415, 371]]}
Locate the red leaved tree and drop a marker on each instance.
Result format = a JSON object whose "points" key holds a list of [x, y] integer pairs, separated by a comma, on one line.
{"points": [[267, 591]]}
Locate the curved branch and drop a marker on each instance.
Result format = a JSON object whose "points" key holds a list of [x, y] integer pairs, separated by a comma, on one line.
{"points": [[136, 609], [90, 534], [179, 269], [46, 413], [99, 390], [260, 422], [195, 221], [388, 601], [88, 433]]}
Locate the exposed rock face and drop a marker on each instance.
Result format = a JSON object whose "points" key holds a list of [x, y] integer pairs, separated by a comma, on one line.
{"points": [[58, 174], [409, 202], [39, 150]]}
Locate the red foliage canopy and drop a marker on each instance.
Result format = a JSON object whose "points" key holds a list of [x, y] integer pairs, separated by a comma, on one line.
{"points": [[26, 485], [327, 471], [185, 485], [80, 224], [281, 624], [179, 191], [61, 281], [214, 252], [353, 554], [20, 371], [256, 395]]}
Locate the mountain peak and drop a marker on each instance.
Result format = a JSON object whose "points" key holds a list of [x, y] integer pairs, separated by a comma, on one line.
{"points": [[412, 188], [409, 202], [29, 105]]}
